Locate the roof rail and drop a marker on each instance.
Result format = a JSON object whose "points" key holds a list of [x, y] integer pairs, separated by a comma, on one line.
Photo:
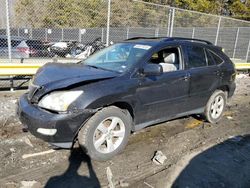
{"points": [[134, 38], [188, 39], [173, 39]]}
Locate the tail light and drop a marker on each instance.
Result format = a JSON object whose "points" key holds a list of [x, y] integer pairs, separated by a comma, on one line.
{"points": [[26, 50]]}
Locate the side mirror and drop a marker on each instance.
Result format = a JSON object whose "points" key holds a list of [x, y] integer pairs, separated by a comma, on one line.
{"points": [[152, 70]]}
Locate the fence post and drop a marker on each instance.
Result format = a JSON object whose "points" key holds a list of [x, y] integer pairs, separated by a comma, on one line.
{"points": [[46, 35], [248, 49], [172, 22], [127, 32], [18, 32], [217, 32], [169, 22], [31, 34], [236, 41], [108, 22], [156, 32], [62, 35], [8, 29], [102, 34], [193, 32], [80, 35]]}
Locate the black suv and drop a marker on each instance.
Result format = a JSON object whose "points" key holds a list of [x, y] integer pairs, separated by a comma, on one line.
{"points": [[126, 87]]}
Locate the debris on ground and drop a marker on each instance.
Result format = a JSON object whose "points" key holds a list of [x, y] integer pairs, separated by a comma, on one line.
{"points": [[25, 156], [193, 123], [148, 184], [27, 141], [30, 184], [110, 177], [122, 183], [229, 117], [5, 122], [241, 76], [11, 185], [159, 158]]}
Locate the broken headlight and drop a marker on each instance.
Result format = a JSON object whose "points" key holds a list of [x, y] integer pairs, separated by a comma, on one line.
{"points": [[59, 100]]}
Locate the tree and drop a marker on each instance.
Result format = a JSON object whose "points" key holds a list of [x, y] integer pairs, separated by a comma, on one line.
{"points": [[64, 14], [29, 13], [93, 13], [239, 9]]}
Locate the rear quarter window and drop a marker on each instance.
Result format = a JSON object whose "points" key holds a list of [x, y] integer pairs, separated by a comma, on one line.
{"points": [[196, 56], [217, 59], [210, 59]]}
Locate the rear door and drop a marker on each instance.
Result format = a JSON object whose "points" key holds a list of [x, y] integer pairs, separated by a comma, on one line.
{"points": [[204, 75]]}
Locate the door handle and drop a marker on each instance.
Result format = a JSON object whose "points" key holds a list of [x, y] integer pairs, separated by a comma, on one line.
{"points": [[186, 77]]}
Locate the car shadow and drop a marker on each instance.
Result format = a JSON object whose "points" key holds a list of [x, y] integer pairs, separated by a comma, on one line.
{"points": [[224, 165], [70, 178]]}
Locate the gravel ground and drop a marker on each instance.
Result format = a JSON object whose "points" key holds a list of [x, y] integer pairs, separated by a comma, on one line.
{"points": [[198, 154]]}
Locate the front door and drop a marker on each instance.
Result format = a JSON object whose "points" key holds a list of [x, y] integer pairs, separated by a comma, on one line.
{"points": [[163, 96]]}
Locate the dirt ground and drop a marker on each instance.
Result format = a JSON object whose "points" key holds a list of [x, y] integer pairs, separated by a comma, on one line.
{"points": [[198, 154]]}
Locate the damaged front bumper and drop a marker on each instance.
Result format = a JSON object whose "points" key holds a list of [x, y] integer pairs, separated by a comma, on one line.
{"points": [[57, 129]]}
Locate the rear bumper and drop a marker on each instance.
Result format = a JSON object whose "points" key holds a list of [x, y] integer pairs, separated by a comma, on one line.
{"points": [[66, 125], [232, 88]]}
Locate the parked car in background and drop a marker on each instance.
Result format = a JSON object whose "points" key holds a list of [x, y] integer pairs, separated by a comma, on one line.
{"points": [[24, 48], [124, 88], [76, 49]]}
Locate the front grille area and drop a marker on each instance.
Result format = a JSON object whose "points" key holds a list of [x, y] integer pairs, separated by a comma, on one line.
{"points": [[32, 90]]}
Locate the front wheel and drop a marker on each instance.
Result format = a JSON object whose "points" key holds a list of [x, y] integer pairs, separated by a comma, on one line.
{"points": [[106, 133], [215, 106]]}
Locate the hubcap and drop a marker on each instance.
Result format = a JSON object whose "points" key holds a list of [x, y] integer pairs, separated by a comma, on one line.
{"points": [[217, 107], [109, 135]]}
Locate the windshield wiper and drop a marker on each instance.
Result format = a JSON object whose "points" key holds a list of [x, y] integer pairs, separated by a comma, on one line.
{"points": [[96, 67]]}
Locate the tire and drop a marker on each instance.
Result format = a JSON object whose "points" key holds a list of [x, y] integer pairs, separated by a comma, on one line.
{"points": [[97, 137], [215, 106]]}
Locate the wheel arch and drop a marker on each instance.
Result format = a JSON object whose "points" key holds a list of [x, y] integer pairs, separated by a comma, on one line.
{"points": [[126, 106], [224, 88]]}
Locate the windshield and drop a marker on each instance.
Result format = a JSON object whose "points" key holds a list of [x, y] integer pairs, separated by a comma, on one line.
{"points": [[118, 57]]}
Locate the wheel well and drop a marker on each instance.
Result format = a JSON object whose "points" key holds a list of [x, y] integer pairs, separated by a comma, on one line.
{"points": [[121, 105], [124, 105], [224, 88]]}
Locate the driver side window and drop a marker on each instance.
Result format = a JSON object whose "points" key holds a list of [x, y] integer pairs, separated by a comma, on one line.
{"points": [[168, 58]]}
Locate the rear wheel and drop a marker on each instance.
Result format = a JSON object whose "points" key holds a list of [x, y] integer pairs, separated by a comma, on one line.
{"points": [[215, 106], [106, 133]]}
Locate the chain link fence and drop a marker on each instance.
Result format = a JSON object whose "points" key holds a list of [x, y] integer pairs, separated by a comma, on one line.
{"points": [[41, 31], [34, 26], [28, 28]]}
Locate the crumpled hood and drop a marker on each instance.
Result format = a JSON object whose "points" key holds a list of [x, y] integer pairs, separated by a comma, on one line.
{"points": [[67, 74]]}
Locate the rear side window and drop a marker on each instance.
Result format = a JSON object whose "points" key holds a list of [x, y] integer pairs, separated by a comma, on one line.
{"points": [[210, 59], [217, 59], [196, 57]]}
